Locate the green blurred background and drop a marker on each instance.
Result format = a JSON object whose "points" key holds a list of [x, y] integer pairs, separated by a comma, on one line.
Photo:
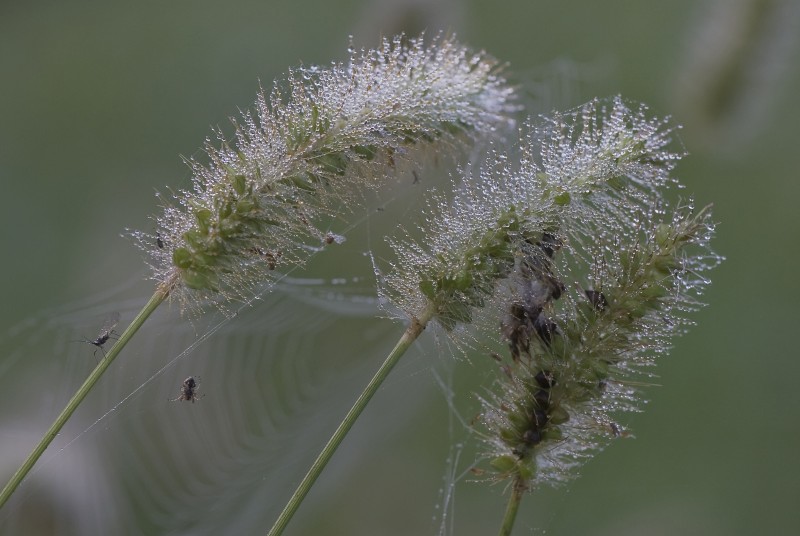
{"points": [[98, 100]]}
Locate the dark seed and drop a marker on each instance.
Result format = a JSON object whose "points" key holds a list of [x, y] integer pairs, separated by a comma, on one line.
{"points": [[545, 329]]}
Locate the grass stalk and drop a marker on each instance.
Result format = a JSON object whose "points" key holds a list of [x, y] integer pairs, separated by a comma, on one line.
{"points": [[409, 336], [158, 297], [517, 491]]}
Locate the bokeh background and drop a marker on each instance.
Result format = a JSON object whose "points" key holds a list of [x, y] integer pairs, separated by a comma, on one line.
{"points": [[98, 100]]}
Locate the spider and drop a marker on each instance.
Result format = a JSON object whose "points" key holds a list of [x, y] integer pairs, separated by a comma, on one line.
{"points": [[189, 390]]}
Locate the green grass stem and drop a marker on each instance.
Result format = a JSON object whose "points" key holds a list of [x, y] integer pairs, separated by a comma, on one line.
{"points": [[517, 491], [158, 297], [409, 336]]}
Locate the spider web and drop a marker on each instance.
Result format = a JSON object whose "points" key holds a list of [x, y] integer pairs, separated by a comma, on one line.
{"points": [[274, 381]]}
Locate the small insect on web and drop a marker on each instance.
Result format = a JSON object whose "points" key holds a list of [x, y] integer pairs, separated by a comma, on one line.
{"points": [[189, 390], [106, 332]]}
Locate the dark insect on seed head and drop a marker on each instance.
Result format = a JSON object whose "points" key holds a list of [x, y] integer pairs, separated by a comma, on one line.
{"points": [[557, 288], [545, 379], [269, 257], [597, 299], [272, 259], [532, 437], [542, 398], [549, 244], [618, 431], [545, 329], [540, 418]]}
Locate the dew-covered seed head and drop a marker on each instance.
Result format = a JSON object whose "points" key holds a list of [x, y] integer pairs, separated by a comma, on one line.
{"points": [[304, 156], [577, 262], [576, 170], [645, 285]]}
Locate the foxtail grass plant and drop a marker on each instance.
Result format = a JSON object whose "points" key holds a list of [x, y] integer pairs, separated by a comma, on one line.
{"points": [[571, 255], [565, 249], [260, 203]]}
